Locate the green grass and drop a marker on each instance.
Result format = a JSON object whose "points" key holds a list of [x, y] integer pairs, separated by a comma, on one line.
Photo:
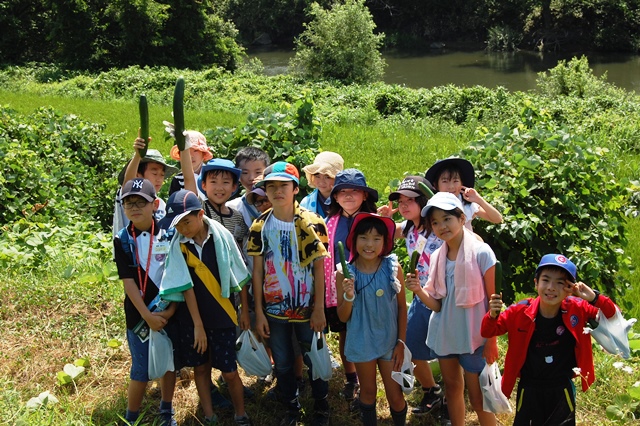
{"points": [[49, 317]]}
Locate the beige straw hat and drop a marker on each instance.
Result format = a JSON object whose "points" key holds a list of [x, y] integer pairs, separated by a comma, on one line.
{"points": [[326, 163]]}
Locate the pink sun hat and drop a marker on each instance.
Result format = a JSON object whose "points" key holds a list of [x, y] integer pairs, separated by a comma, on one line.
{"points": [[198, 142]]}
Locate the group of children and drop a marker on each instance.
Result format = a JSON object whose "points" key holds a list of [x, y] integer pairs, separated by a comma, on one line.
{"points": [[219, 260]]}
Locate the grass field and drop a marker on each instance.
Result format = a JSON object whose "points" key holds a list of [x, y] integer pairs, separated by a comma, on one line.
{"points": [[51, 317]]}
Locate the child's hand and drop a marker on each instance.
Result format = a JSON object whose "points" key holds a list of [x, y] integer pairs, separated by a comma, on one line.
{"points": [[199, 339], [262, 325], [398, 356], [471, 195], [581, 290], [412, 282], [495, 305], [317, 321], [348, 287], [155, 321], [245, 319], [490, 351], [387, 210], [139, 144]]}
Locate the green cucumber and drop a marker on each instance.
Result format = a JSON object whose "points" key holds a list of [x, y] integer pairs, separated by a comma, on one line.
{"points": [[178, 113], [343, 260], [414, 261], [498, 279], [144, 124], [425, 190]]}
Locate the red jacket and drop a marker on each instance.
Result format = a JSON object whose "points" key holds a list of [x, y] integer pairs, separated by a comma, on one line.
{"points": [[519, 321]]}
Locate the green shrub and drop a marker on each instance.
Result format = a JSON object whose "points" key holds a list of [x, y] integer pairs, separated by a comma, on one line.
{"points": [[340, 44], [573, 79], [56, 168], [557, 194], [503, 39]]}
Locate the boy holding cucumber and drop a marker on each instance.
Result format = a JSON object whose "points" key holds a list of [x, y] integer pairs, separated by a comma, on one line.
{"points": [[547, 346], [288, 244]]}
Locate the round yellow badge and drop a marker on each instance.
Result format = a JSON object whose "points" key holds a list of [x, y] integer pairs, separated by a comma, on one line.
{"points": [[379, 292]]}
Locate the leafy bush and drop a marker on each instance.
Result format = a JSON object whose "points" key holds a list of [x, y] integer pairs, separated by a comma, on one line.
{"points": [[290, 136], [340, 44], [503, 39], [56, 168], [557, 194], [573, 79]]}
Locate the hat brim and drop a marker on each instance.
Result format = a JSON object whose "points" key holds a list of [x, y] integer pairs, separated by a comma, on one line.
{"points": [[147, 197], [441, 205], [169, 222], [373, 194], [466, 171], [406, 192], [175, 153], [557, 265], [391, 231], [169, 170], [251, 196], [279, 177]]}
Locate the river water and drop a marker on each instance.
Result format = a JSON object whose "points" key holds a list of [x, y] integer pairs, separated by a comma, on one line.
{"points": [[515, 71]]}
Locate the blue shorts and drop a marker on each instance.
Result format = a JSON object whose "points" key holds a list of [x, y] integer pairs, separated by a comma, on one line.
{"points": [[221, 349], [471, 363], [139, 357], [417, 328]]}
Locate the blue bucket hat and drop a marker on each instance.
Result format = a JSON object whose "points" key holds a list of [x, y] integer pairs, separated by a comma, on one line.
{"points": [[219, 164], [560, 261], [351, 179]]}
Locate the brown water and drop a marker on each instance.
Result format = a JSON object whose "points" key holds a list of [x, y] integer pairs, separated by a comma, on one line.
{"points": [[515, 71]]}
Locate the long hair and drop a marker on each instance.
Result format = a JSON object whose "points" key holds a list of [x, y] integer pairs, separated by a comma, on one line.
{"points": [[423, 222]]}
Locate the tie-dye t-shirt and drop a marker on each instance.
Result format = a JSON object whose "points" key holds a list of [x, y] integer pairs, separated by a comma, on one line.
{"points": [[288, 288]]}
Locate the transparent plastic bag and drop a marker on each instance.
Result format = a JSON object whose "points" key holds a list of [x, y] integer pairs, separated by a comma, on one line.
{"points": [[493, 400], [252, 356], [320, 357], [405, 377], [612, 333], [160, 354]]}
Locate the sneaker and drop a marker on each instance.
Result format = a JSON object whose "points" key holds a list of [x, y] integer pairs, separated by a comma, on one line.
{"points": [[218, 400], [431, 400], [166, 418], [212, 421], [242, 420], [267, 380], [321, 413], [350, 391]]}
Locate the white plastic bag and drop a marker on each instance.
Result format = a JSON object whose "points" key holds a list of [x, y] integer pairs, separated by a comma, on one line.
{"points": [[405, 377], [493, 400], [613, 333], [320, 357], [160, 354], [252, 356]]}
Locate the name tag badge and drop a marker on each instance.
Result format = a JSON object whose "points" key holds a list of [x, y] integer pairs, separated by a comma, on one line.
{"points": [[161, 247], [421, 244]]}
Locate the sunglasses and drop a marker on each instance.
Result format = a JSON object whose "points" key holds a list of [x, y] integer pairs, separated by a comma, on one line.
{"points": [[258, 203]]}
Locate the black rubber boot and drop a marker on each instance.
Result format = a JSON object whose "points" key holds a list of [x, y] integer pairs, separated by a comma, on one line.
{"points": [[399, 417], [368, 414]]}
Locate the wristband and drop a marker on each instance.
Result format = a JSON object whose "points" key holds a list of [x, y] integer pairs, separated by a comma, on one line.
{"points": [[344, 296], [400, 341], [595, 299]]}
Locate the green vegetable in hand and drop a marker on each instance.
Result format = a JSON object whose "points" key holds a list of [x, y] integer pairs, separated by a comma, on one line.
{"points": [[144, 124], [343, 260], [425, 190], [178, 113], [414, 261], [498, 279]]}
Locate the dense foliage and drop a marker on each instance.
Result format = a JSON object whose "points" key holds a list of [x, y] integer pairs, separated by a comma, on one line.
{"points": [[56, 169], [340, 44], [98, 34], [557, 194]]}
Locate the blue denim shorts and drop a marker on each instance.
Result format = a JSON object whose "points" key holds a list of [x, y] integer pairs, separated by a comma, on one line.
{"points": [[471, 363], [417, 329]]}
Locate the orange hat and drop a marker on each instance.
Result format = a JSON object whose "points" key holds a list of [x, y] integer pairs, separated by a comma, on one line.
{"points": [[198, 142]]}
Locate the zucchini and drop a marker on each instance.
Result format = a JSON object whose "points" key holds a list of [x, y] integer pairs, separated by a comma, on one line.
{"points": [[415, 256], [343, 260], [498, 279], [144, 124], [425, 190], [178, 113]]}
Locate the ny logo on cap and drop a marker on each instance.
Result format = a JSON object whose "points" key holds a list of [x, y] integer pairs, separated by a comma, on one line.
{"points": [[137, 184]]}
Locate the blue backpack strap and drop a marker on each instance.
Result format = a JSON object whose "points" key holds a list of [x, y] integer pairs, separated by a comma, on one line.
{"points": [[128, 245]]}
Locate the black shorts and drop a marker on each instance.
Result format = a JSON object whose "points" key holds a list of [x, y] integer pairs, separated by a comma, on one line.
{"points": [[333, 322], [546, 405], [221, 349]]}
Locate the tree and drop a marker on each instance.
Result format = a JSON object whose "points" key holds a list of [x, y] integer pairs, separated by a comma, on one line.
{"points": [[340, 44]]}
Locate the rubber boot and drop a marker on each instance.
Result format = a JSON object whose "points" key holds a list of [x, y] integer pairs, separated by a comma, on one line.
{"points": [[368, 414], [399, 417]]}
